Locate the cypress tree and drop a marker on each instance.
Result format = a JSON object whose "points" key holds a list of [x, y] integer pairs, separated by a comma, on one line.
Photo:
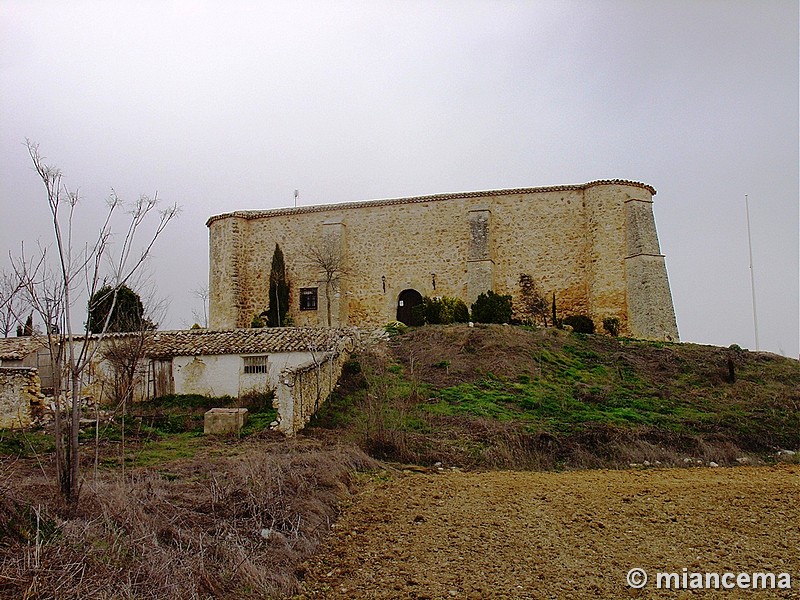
{"points": [[278, 291], [127, 314], [29, 325]]}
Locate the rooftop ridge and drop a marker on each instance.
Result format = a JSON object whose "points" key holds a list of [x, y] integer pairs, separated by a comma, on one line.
{"points": [[195, 342], [274, 212]]}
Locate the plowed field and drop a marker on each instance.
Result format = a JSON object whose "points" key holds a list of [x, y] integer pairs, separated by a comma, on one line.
{"points": [[561, 535]]}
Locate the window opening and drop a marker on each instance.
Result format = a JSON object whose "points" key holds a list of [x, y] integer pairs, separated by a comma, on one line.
{"points": [[308, 298], [256, 364]]}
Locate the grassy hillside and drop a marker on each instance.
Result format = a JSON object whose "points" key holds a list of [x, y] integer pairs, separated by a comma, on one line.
{"points": [[171, 513], [501, 396]]}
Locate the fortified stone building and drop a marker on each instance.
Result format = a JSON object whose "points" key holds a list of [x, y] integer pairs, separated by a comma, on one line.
{"points": [[593, 245]]}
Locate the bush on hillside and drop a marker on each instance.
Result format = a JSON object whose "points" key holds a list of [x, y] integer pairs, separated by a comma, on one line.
{"points": [[492, 308], [395, 328], [441, 311], [611, 325], [579, 323], [534, 309]]}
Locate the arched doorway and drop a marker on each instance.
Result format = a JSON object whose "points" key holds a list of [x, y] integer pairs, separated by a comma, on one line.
{"points": [[406, 301]]}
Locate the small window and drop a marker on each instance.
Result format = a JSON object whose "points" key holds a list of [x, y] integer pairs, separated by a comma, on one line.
{"points": [[256, 364], [308, 298]]}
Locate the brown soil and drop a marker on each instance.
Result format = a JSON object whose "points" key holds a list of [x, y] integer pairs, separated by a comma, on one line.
{"points": [[560, 535]]}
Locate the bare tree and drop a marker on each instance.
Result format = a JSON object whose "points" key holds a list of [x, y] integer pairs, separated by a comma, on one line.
{"points": [[327, 260], [52, 288], [534, 305], [202, 294], [11, 302], [125, 353]]}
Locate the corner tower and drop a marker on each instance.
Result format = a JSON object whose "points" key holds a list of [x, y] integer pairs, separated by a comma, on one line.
{"points": [[620, 224], [651, 314]]}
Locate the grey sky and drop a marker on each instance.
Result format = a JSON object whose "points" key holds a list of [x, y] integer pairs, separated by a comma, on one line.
{"points": [[232, 105]]}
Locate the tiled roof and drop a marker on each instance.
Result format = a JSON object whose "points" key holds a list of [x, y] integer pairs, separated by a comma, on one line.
{"points": [[266, 340], [17, 348], [194, 342], [257, 214]]}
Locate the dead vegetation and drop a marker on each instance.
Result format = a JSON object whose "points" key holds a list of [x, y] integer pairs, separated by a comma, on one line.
{"points": [[238, 518], [520, 398], [233, 526]]}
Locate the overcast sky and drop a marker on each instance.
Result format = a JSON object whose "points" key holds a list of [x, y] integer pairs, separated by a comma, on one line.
{"points": [[220, 106]]}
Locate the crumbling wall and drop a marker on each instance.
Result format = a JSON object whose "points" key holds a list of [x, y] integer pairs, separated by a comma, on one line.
{"points": [[20, 396], [304, 388]]}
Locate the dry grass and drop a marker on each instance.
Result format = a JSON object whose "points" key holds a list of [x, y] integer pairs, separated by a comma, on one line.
{"points": [[469, 351], [482, 443], [234, 527], [494, 396]]}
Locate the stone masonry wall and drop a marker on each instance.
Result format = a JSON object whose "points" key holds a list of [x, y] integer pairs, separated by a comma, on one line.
{"points": [[646, 275], [304, 388], [20, 391], [577, 242]]}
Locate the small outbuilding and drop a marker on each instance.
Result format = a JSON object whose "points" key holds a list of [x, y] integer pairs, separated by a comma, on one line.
{"points": [[300, 365], [232, 362]]}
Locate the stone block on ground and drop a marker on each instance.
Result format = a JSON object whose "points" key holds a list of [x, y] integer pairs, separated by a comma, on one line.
{"points": [[219, 421]]}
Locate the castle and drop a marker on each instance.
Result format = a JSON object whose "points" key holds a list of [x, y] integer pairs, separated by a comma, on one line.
{"points": [[593, 245]]}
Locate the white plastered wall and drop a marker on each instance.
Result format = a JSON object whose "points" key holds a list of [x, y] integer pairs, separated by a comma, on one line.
{"points": [[223, 375]]}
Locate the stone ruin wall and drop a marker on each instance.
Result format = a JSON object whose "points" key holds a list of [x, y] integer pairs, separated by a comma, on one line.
{"points": [[304, 388], [595, 246], [20, 396]]}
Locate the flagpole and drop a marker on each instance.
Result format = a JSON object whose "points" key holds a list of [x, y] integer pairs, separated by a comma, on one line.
{"points": [[752, 275]]}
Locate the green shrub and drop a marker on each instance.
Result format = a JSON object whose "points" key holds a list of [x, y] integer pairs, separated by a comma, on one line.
{"points": [[395, 328], [170, 423], [492, 308], [442, 310], [424, 313], [352, 367], [611, 325], [579, 323]]}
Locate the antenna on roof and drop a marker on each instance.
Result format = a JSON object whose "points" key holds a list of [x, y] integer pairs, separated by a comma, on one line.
{"points": [[296, 194]]}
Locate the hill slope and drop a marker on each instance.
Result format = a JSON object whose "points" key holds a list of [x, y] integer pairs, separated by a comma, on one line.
{"points": [[512, 397]]}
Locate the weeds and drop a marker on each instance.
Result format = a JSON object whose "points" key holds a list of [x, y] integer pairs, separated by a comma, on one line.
{"points": [[25, 444], [184, 413], [485, 396], [228, 527]]}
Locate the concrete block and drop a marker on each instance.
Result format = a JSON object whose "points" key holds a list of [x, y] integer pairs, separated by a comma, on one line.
{"points": [[219, 421]]}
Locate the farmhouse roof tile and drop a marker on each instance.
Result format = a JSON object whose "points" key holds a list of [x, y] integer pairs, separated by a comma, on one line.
{"points": [[17, 348], [195, 342]]}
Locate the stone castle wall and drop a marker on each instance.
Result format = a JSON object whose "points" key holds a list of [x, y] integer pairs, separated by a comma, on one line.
{"points": [[593, 245]]}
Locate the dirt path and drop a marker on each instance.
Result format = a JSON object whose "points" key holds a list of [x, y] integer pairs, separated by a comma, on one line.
{"points": [[561, 535]]}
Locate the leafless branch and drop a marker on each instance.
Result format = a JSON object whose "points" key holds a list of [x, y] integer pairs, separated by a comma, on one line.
{"points": [[327, 260], [51, 291]]}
